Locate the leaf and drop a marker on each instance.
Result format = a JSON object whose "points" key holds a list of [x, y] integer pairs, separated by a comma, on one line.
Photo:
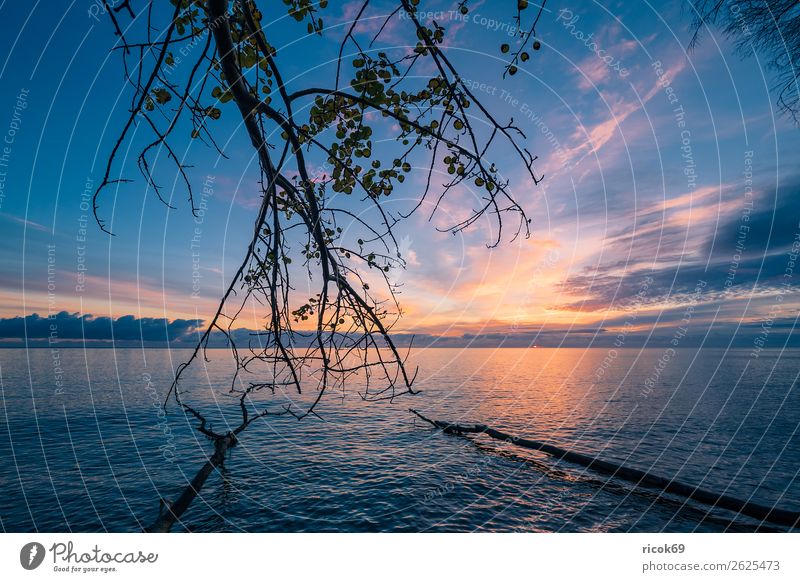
{"points": [[162, 95]]}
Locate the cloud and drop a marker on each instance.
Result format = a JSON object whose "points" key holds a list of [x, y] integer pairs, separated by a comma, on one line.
{"points": [[27, 223], [745, 253], [652, 329], [590, 138], [71, 326]]}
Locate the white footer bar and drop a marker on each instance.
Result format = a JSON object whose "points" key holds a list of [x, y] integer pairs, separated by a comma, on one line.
{"points": [[389, 557]]}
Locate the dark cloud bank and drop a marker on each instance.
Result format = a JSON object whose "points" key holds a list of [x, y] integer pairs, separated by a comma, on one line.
{"points": [[72, 330], [65, 327]]}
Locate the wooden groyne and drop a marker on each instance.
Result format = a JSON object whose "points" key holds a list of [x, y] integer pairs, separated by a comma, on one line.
{"points": [[640, 478]]}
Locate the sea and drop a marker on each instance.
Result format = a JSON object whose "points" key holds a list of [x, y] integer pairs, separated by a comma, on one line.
{"points": [[86, 445]]}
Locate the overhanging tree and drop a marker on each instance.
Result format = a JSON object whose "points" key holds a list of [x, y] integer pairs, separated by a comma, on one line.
{"points": [[768, 27], [429, 122]]}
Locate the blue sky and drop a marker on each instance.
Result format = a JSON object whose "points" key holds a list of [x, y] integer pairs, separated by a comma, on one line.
{"points": [[658, 162]]}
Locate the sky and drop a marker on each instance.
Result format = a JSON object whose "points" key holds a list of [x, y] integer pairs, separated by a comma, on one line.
{"points": [[668, 214]]}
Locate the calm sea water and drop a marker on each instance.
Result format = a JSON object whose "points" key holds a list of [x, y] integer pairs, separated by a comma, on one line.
{"points": [[94, 454]]}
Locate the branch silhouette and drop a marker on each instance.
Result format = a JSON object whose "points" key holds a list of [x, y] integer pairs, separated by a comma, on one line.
{"points": [[310, 346]]}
